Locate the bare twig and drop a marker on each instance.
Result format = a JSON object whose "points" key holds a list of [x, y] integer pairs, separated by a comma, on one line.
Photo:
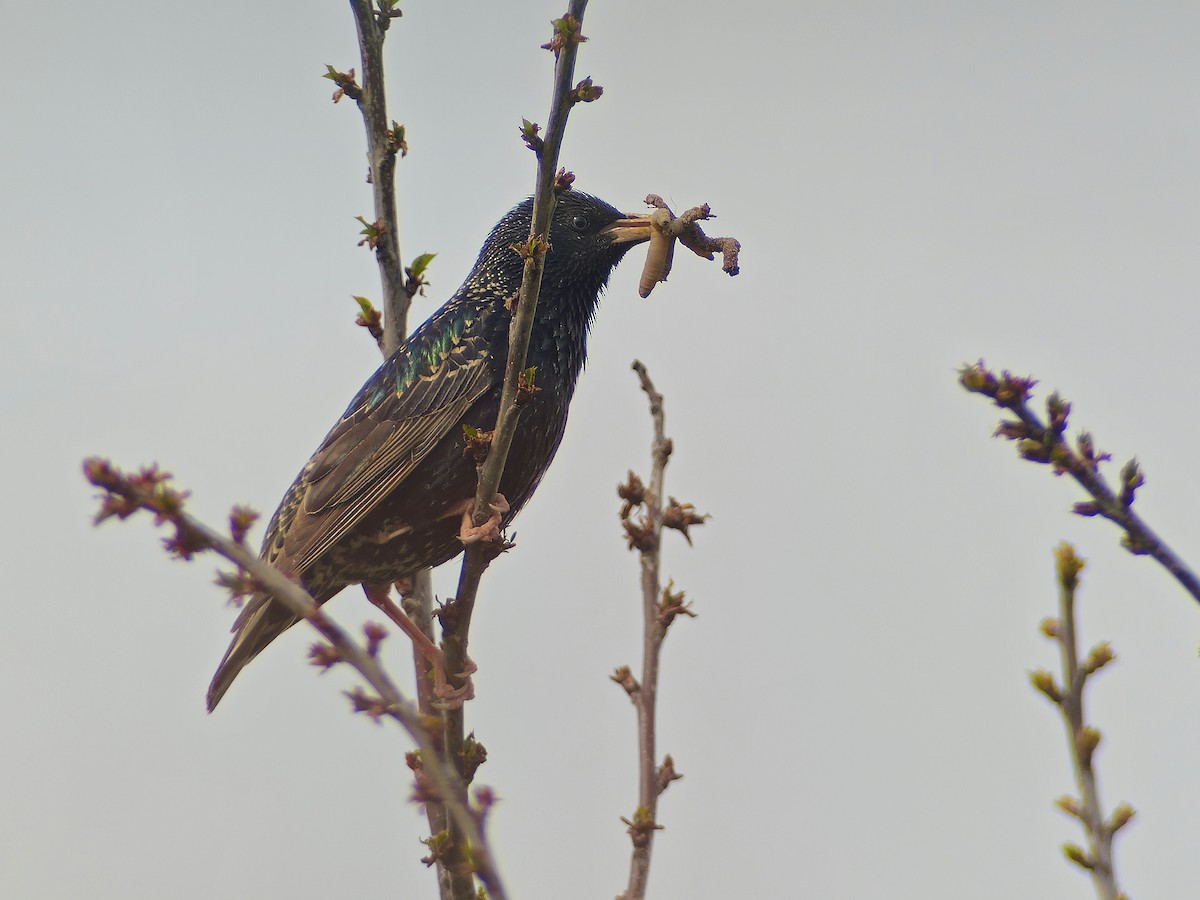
{"points": [[1044, 442], [1082, 739], [150, 490], [660, 607]]}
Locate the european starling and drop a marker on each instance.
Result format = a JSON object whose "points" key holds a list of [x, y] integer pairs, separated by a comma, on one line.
{"points": [[384, 494]]}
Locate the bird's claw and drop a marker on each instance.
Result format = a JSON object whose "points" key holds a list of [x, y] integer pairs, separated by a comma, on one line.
{"points": [[448, 696], [489, 531]]}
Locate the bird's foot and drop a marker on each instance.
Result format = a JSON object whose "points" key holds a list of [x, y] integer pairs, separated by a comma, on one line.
{"points": [[489, 531], [447, 695]]}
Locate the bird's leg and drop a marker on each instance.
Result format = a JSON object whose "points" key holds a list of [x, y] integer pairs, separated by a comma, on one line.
{"points": [[489, 530], [448, 696]]}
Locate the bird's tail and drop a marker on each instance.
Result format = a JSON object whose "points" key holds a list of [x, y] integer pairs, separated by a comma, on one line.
{"points": [[261, 622]]}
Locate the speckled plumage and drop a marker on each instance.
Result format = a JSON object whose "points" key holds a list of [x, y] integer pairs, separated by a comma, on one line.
{"points": [[384, 493]]}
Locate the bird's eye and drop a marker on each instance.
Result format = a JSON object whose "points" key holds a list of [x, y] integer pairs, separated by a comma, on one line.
{"points": [[580, 223]]}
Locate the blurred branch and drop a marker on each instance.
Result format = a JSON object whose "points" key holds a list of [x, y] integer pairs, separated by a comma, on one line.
{"points": [[150, 490], [1044, 442], [1082, 739], [660, 606]]}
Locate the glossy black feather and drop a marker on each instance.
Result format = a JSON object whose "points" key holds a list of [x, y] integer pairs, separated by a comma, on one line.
{"points": [[383, 494]]}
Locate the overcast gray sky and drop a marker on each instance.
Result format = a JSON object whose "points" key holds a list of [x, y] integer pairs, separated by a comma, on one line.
{"points": [[916, 185]]}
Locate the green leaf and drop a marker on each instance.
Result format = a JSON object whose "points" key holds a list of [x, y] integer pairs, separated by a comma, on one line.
{"points": [[420, 264]]}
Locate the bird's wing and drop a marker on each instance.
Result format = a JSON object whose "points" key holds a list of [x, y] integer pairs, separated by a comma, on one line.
{"points": [[384, 435]]}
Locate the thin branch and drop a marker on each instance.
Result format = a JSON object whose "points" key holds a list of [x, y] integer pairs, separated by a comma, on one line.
{"points": [[454, 881], [149, 490], [456, 617], [644, 823], [521, 325], [1082, 739], [1044, 442], [659, 608], [381, 156]]}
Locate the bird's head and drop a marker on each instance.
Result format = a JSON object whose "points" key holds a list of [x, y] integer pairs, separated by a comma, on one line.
{"points": [[587, 231], [587, 240]]}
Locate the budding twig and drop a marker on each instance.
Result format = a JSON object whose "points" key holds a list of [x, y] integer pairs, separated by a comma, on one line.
{"points": [[383, 144], [387, 139], [1082, 739], [150, 490], [660, 607], [1045, 442], [456, 615]]}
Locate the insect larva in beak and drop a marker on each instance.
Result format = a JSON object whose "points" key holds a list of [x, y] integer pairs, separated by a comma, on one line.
{"points": [[660, 254]]}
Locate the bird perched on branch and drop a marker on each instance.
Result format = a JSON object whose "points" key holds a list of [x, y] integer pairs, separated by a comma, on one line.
{"points": [[385, 493]]}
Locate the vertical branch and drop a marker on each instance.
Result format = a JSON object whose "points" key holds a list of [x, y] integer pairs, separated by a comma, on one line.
{"points": [[659, 609], [381, 157], [644, 823], [478, 555], [456, 616], [398, 291], [417, 603], [382, 145], [1082, 739], [531, 279], [456, 619]]}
